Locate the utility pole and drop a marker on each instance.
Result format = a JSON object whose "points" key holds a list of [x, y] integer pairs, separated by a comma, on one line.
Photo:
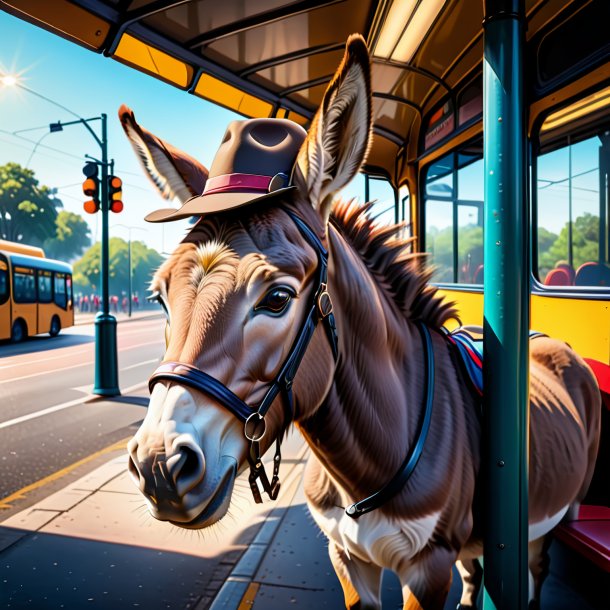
{"points": [[106, 362]]}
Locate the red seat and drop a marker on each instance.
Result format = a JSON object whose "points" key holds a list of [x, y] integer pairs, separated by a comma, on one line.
{"points": [[557, 277], [589, 535], [569, 269], [479, 275]]}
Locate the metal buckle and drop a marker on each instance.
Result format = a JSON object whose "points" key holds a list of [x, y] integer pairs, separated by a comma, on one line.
{"points": [[324, 302], [251, 427]]}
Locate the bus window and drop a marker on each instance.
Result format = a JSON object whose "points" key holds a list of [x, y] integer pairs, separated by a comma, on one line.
{"points": [[44, 287], [571, 200], [24, 285], [382, 193], [4, 291], [61, 297], [69, 290], [453, 196], [404, 206]]}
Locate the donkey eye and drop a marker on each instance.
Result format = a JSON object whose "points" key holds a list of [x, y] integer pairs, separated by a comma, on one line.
{"points": [[276, 300]]}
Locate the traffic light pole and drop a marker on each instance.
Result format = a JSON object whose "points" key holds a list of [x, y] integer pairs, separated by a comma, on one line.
{"points": [[106, 381], [106, 364]]}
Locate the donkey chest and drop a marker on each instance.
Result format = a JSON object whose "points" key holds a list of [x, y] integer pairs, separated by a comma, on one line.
{"points": [[375, 537]]}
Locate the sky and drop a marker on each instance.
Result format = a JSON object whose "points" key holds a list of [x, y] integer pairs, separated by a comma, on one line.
{"points": [[90, 84]]}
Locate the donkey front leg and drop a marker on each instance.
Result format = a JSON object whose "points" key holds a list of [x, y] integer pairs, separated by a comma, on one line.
{"points": [[360, 581], [471, 573], [426, 579]]}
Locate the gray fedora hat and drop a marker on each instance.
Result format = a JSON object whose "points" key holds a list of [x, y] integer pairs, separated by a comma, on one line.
{"points": [[254, 162]]}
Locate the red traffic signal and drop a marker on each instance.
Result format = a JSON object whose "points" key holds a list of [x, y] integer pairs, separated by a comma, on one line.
{"points": [[115, 194], [91, 206], [91, 188]]}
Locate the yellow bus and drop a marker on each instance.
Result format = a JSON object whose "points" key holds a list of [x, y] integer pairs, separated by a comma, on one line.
{"points": [[35, 293]]}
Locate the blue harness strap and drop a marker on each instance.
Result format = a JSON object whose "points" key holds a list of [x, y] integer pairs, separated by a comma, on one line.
{"points": [[468, 341]]}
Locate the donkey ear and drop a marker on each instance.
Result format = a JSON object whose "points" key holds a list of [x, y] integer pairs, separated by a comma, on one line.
{"points": [[174, 173], [340, 133]]}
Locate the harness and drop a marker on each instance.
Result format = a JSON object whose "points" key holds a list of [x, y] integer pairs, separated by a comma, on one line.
{"points": [[320, 310], [468, 344]]}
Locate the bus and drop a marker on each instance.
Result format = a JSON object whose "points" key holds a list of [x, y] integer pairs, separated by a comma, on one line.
{"points": [[35, 293]]}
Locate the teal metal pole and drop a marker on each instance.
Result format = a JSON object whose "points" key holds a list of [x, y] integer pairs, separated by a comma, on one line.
{"points": [[106, 365], [506, 310]]}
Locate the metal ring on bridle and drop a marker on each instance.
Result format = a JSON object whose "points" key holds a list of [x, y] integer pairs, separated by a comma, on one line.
{"points": [[250, 427]]}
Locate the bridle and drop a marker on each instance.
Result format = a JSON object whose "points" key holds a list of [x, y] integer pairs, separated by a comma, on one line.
{"points": [[320, 310]]}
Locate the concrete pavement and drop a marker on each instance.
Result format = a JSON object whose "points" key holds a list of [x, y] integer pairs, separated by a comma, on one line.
{"points": [[92, 544]]}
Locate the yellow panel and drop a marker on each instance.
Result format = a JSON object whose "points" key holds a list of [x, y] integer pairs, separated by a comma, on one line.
{"points": [[282, 113], [298, 118], [64, 18], [142, 56], [17, 248], [469, 306], [584, 324], [231, 97]]}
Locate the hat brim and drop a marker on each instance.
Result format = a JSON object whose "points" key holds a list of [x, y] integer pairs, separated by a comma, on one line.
{"points": [[211, 204]]}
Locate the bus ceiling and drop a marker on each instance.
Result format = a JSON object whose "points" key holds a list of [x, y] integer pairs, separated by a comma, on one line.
{"points": [[261, 61]]}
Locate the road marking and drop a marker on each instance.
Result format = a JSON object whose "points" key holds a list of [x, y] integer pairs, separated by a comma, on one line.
{"points": [[74, 366], [65, 405], [135, 366], [247, 601], [18, 495], [58, 357]]}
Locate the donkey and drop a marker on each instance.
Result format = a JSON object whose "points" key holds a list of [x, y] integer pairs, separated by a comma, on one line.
{"points": [[284, 306]]}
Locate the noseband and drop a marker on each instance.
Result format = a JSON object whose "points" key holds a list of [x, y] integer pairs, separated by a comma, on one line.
{"points": [[320, 309]]}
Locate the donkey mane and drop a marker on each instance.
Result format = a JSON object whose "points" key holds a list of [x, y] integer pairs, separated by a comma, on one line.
{"points": [[399, 271]]}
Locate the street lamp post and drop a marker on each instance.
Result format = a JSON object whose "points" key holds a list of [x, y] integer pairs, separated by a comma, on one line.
{"points": [[106, 381]]}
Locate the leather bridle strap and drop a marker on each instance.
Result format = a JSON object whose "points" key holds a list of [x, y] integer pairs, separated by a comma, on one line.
{"points": [[320, 309], [399, 480]]}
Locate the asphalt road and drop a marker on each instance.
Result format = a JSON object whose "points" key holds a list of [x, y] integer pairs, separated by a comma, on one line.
{"points": [[44, 426]]}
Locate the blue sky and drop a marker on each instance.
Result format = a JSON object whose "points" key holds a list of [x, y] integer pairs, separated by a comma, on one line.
{"points": [[89, 85]]}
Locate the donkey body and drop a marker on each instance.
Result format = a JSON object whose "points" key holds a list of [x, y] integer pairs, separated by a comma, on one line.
{"points": [[236, 293]]}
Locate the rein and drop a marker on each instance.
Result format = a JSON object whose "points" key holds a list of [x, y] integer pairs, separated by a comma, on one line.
{"points": [[320, 309], [399, 480]]}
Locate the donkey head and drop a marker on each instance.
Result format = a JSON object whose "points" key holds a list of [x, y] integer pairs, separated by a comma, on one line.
{"points": [[239, 292]]}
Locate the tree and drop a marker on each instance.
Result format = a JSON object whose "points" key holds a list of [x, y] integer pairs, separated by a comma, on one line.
{"points": [[27, 209], [144, 262], [72, 236], [585, 244]]}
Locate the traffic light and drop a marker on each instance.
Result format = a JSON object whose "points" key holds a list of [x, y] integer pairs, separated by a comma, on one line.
{"points": [[91, 188], [115, 194]]}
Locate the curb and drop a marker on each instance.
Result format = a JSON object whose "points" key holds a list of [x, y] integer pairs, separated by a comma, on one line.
{"points": [[146, 316], [239, 589]]}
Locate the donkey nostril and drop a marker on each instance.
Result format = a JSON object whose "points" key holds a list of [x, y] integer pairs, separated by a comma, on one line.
{"points": [[133, 471], [186, 469], [192, 463]]}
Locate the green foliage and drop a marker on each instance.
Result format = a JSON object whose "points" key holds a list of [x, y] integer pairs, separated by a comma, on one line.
{"points": [[144, 262], [72, 236], [28, 210], [470, 252]]}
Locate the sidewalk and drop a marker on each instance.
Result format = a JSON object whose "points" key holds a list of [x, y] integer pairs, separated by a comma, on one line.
{"points": [[140, 314], [92, 544]]}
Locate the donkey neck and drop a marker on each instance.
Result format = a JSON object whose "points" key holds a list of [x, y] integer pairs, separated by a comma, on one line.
{"points": [[365, 427]]}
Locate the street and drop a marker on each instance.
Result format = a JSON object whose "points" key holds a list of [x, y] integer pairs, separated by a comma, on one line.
{"points": [[71, 518], [44, 425]]}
